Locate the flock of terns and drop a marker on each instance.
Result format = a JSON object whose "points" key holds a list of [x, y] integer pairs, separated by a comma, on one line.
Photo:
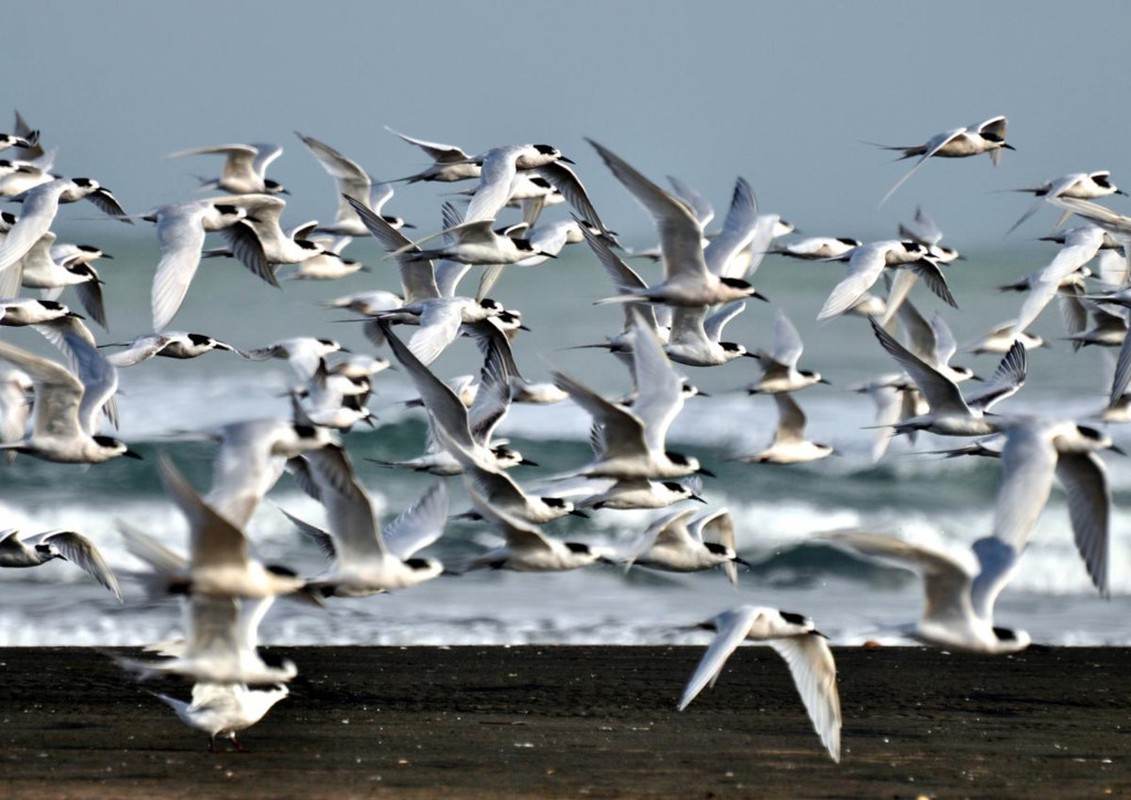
{"points": [[678, 319]]}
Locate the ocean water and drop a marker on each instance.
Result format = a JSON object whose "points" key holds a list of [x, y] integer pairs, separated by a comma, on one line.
{"points": [[779, 511]]}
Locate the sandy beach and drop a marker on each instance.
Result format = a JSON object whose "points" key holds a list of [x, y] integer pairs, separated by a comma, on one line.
{"points": [[590, 721]]}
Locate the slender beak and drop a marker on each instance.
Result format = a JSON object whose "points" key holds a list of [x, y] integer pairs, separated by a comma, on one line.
{"points": [[749, 355], [826, 382], [567, 160], [579, 513], [250, 218], [408, 225], [523, 328], [761, 297], [73, 315], [707, 472], [1008, 146], [107, 255], [701, 393], [526, 462], [133, 454], [697, 499], [1117, 449], [743, 562]]}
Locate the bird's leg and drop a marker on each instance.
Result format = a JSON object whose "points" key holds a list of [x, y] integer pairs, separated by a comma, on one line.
{"points": [[235, 742], [212, 743]]}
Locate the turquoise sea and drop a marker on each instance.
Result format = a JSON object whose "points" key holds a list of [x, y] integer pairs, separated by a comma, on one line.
{"points": [[946, 503]]}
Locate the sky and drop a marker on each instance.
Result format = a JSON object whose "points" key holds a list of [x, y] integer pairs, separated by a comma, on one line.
{"points": [[784, 94]]}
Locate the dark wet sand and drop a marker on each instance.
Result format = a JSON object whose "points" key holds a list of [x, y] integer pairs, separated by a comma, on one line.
{"points": [[591, 721]]}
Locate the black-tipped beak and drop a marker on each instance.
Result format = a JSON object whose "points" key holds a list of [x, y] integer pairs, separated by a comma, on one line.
{"points": [[978, 378], [283, 191], [760, 296], [825, 381], [578, 513], [107, 255], [1008, 146], [547, 255], [526, 462], [707, 472], [749, 355], [1117, 449], [697, 499], [369, 421], [523, 328], [73, 315], [961, 257], [133, 454], [743, 562], [701, 393], [250, 218], [408, 225], [567, 160]]}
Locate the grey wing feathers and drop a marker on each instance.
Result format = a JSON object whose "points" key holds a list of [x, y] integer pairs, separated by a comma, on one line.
{"points": [[81, 551], [324, 540], [732, 629], [1089, 506], [814, 673], [419, 525]]}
